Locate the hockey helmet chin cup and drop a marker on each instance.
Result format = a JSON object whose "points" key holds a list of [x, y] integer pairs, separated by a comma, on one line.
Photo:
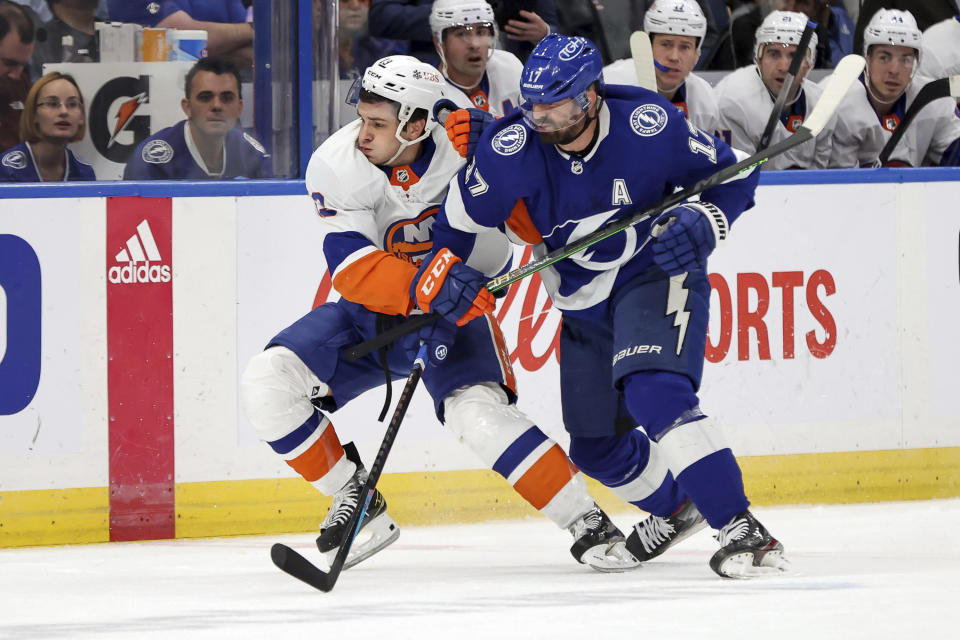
{"points": [[560, 67]]}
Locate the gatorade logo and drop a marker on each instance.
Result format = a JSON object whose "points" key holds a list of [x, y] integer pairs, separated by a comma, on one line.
{"points": [[117, 122]]}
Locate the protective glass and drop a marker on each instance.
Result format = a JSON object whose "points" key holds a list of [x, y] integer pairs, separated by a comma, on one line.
{"points": [[553, 117]]}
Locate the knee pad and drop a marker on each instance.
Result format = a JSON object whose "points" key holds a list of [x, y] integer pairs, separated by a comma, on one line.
{"points": [[692, 437], [481, 417], [275, 391], [656, 398]]}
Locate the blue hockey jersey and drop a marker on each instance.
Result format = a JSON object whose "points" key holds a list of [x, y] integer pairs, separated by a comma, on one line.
{"points": [[170, 155], [18, 165], [541, 196]]}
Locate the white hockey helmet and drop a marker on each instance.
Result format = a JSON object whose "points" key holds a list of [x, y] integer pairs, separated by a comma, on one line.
{"points": [[895, 27], [460, 13], [410, 83], [784, 28], [678, 17]]}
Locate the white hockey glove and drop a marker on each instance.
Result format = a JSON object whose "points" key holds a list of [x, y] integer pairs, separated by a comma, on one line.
{"points": [[685, 235]]}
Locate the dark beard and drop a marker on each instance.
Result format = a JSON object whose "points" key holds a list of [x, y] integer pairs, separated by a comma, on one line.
{"points": [[565, 135]]}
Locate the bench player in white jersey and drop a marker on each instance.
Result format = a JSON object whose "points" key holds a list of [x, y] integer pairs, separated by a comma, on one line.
{"points": [[941, 49], [873, 108], [480, 75], [747, 95], [677, 29], [377, 185]]}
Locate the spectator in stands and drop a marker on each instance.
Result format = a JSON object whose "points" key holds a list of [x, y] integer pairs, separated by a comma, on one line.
{"points": [[872, 110], [834, 29], [746, 96], [16, 49], [207, 144], [358, 50], [926, 12], [229, 35], [72, 18], [941, 49], [410, 20], [53, 117], [42, 12], [531, 23]]}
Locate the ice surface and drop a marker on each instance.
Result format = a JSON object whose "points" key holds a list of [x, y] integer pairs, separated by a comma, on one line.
{"points": [[876, 571]]}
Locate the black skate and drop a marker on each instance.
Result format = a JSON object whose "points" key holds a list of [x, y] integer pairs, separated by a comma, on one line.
{"points": [[656, 534], [377, 529], [599, 543], [747, 550]]}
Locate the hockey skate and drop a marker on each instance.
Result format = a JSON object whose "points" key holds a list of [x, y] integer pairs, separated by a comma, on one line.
{"points": [[656, 534], [377, 529], [599, 543], [747, 550]]}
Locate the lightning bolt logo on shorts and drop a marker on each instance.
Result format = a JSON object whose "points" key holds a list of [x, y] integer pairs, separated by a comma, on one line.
{"points": [[677, 304]]}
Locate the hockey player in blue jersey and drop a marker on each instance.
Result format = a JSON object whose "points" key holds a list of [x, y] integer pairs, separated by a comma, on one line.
{"points": [[207, 144], [634, 305]]}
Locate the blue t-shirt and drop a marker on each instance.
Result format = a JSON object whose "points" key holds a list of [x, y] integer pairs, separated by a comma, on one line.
{"points": [[17, 165], [150, 12], [166, 156]]}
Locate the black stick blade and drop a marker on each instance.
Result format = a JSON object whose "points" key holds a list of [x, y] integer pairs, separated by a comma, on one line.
{"points": [[294, 564]]}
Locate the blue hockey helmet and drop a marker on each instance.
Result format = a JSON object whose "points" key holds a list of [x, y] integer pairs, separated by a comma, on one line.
{"points": [[561, 67]]}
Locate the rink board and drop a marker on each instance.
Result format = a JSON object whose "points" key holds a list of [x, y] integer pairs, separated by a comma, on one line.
{"points": [[831, 358]]}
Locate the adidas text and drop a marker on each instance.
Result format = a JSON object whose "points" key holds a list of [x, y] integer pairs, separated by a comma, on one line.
{"points": [[139, 272]]}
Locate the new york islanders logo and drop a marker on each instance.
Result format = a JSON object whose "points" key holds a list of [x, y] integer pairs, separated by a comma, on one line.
{"points": [[648, 120], [510, 140]]}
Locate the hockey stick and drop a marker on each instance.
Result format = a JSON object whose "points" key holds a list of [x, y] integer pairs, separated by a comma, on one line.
{"points": [[840, 80], [643, 61], [943, 88], [789, 83], [296, 565]]}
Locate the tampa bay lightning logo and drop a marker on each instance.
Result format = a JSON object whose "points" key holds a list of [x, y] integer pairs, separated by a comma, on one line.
{"points": [[157, 152], [15, 160], [648, 120], [510, 140]]}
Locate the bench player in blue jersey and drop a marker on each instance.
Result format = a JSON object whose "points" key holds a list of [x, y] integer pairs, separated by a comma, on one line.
{"points": [[208, 143], [634, 305]]}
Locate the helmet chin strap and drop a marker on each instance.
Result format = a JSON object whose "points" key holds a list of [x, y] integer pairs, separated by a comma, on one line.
{"points": [[404, 143]]}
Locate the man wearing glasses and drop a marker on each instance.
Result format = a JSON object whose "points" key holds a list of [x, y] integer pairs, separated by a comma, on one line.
{"points": [[16, 49], [207, 144]]}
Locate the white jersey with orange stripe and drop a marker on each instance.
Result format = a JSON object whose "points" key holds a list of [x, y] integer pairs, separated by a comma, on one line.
{"points": [[694, 97], [941, 49], [745, 105], [499, 91], [861, 134], [377, 227]]}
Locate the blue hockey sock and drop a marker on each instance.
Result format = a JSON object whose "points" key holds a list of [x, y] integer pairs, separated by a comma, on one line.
{"points": [[714, 483]]}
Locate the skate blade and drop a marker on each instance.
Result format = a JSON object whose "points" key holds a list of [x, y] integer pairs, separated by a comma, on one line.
{"points": [[612, 558], [741, 565], [378, 534]]}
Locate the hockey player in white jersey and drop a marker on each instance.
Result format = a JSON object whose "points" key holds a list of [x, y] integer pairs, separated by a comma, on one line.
{"points": [[746, 96], [941, 49], [873, 108], [480, 75], [377, 185], [677, 29]]}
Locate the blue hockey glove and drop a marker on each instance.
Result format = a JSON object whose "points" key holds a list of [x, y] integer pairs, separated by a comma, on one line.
{"points": [[452, 289], [463, 126], [685, 235]]}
